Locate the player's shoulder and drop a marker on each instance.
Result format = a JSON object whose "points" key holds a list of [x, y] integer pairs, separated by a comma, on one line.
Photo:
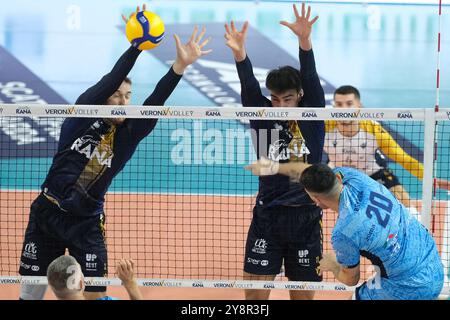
{"points": [[371, 126], [346, 172]]}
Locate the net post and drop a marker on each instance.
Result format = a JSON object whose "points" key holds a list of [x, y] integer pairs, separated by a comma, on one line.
{"points": [[428, 161]]}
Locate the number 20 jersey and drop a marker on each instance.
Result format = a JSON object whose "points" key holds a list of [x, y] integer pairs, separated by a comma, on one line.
{"points": [[372, 223]]}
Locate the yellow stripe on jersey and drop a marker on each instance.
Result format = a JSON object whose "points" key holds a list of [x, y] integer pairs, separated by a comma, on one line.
{"points": [[391, 148], [330, 125], [386, 144], [95, 169], [297, 142]]}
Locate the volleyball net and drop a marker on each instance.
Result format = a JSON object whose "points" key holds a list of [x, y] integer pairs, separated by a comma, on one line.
{"points": [[182, 206]]}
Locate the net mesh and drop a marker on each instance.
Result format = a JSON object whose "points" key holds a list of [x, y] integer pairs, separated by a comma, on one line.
{"points": [[182, 206]]}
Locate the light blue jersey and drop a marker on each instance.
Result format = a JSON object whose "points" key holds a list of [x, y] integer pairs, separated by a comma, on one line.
{"points": [[374, 224], [107, 298]]}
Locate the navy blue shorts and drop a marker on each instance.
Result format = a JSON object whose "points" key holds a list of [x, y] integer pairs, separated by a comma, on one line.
{"points": [[50, 231], [289, 234]]}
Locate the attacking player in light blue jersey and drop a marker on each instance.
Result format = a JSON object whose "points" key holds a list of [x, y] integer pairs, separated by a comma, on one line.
{"points": [[372, 223]]}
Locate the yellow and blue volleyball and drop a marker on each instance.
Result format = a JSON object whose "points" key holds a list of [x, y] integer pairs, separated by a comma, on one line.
{"points": [[145, 30]]}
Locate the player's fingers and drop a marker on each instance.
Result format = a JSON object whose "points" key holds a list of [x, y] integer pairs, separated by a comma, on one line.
{"points": [[303, 9], [286, 24], [296, 11], [245, 27], [205, 42], [124, 18], [314, 20], [233, 27], [144, 7], [200, 36], [177, 40], [119, 266], [254, 168], [308, 13], [227, 29], [264, 161], [204, 53], [194, 33], [127, 265]]}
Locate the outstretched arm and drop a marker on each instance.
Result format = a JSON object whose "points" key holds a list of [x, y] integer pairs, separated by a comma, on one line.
{"points": [[392, 150], [443, 184], [266, 167], [105, 88], [251, 94], [187, 54], [313, 94], [235, 40]]}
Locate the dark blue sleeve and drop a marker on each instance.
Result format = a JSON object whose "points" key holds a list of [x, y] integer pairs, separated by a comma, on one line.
{"points": [[314, 97], [105, 88], [251, 94], [142, 127], [163, 89]]}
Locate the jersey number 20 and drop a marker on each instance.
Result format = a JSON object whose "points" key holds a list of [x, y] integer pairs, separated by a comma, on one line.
{"points": [[379, 203]]}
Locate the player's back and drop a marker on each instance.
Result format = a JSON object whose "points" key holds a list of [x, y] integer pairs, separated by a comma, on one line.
{"points": [[380, 227]]}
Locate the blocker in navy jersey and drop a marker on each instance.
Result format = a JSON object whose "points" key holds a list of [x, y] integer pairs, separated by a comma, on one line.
{"points": [[285, 218], [69, 213]]}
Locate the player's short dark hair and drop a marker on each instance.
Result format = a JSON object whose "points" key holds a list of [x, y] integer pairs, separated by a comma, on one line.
{"points": [[127, 80], [283, 79], [348, 90], [318, 178]]}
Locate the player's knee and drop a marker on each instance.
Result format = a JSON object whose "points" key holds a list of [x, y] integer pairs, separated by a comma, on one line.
{"points": [[32, 292]]}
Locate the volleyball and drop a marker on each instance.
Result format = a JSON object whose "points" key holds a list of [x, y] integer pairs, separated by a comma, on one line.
{"points": [[145, 30]]}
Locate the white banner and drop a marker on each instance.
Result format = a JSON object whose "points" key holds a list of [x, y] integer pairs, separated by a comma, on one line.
{"points": [[237, 113]]}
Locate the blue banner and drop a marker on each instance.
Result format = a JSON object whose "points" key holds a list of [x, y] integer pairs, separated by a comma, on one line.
{"points": [[24, 136]]}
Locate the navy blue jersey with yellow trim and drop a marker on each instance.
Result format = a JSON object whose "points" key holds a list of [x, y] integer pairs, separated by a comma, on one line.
{"points": [[285, 141], [91, 152]]}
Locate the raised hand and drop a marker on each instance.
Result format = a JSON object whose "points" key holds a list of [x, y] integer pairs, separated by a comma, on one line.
{"points": [[125, 270], [191, 51], [302, 26], [443, 184], [328, 263], [235, 40], [125, 19]]}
